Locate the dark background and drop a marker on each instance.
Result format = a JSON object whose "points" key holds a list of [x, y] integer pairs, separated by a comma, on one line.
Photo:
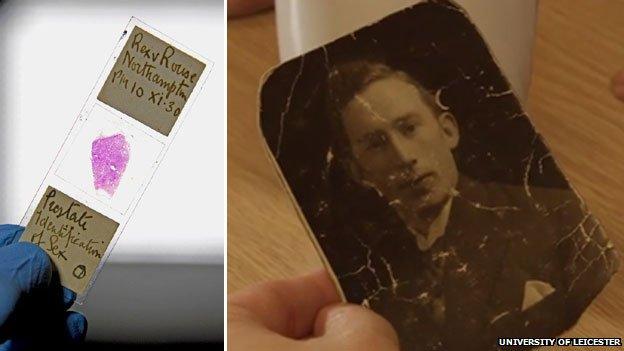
{"points": [[150, 347]]}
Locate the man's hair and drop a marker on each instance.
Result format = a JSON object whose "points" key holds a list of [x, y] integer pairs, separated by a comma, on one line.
{"points": [[348, 79]]}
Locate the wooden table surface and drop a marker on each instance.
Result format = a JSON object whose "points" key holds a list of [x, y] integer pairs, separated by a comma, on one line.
{"points": [[579, 46]]}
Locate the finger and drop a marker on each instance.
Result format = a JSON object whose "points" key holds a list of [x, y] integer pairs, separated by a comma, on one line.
{"points": [[10, 234], [26, 265], [352, 327], [76, 325], [247, 7], [68, 298], [14, 345], [287, 307], [23, 268], [617, 85]]}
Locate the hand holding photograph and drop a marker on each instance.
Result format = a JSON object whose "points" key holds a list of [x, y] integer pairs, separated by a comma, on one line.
{"points": [[426, 188]]}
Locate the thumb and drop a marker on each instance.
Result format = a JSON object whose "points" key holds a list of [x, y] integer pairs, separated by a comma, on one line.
{"points": [[353, 327], [23, 267]]}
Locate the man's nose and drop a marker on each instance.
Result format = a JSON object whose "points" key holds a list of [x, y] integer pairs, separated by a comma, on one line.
{"points": [[403, 148]]}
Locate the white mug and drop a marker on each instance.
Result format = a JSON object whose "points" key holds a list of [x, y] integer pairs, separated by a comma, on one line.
{"points": [[508, 27]]}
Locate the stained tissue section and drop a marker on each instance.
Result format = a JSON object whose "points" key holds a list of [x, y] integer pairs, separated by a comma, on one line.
{"points": [[109, 158]]}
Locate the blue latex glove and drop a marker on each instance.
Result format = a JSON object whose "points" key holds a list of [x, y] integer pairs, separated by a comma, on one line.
{"points": [[33, 305]]}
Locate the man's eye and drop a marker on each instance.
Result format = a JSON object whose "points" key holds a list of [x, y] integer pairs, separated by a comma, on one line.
{"points": [[376, 141], [407, 128]]}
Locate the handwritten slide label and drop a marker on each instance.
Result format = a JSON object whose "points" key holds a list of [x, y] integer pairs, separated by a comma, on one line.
{"points": [[74, 236], [151, 81]]}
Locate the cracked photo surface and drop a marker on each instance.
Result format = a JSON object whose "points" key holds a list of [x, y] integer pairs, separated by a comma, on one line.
{"points": [[426, 188]]}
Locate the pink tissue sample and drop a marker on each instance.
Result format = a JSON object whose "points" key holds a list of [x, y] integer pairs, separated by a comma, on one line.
{"points": [[109, 157]]}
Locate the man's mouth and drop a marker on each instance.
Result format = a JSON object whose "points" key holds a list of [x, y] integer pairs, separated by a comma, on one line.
{"points": [[417, 183]]}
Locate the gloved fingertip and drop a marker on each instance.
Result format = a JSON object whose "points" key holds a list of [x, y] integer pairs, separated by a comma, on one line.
{"points": [[16, 345], [10, 234], [76, 326], [68, 298]]}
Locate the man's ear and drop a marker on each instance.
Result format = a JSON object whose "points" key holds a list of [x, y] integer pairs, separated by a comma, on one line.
{"points": [[450, 129]]}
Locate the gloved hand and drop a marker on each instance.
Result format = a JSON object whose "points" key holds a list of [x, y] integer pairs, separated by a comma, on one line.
{"points": [[33, 304]]}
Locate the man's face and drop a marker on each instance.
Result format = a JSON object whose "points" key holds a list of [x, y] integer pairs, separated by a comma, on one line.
{"points": [[401, 146]]}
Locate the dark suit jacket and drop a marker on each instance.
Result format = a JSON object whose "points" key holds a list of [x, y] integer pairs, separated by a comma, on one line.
{"points": [[467, 290]]}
